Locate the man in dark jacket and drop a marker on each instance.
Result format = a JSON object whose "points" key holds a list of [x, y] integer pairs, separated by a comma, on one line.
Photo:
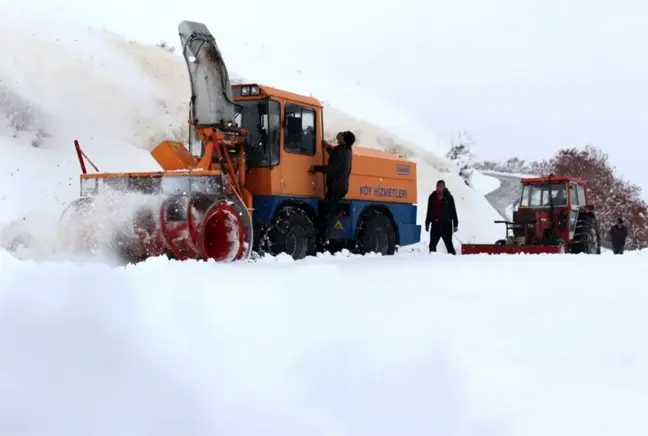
{"points": [[337, 171], [618, 235], [442, 216]]}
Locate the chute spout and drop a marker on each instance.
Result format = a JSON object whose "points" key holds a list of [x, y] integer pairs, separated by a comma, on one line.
{"points": [[211, 92]]}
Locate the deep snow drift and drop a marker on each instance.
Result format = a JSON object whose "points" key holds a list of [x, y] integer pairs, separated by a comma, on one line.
{"points": [[60, 82], [359, 346]]}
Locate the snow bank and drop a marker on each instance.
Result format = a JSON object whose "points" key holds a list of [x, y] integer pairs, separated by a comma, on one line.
{"points": [[325, 346], [484, 184], [60, 82], [501, 173]]}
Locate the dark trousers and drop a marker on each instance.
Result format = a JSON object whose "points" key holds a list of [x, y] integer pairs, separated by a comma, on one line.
{"points": [[618, 249], [439, 231], [326, 208]]}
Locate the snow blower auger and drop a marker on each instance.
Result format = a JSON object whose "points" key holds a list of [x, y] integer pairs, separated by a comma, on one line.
{"points": [[193, 209], [553, 217]]}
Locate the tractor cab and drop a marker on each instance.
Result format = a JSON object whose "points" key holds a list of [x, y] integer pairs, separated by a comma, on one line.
{"points": [[546, 192], [549, 206]]}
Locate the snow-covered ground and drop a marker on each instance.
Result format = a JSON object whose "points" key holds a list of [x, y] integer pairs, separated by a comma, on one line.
{"points": [[483, 183], [410, 344], [359, 346]]}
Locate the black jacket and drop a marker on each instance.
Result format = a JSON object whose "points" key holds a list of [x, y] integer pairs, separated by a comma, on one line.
{"points": [[338, 170], [448, 216], [618, 235]]}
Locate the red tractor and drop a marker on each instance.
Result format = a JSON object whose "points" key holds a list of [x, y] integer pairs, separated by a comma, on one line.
{"points": [[553, 216]]}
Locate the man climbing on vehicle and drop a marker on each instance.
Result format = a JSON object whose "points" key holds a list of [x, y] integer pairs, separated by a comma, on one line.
{"points": [[442, 217], [618, 236], [337, 171]]}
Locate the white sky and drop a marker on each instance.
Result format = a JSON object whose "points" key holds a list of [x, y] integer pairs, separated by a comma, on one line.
{"points": [[524, 77]]}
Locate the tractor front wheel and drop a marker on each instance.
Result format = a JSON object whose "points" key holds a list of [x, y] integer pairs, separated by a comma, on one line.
{"points": [[586, 237], [292, 232]]}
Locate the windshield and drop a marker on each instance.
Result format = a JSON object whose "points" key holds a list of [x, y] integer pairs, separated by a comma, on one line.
{"points": [[262, 119], [538, 195]]}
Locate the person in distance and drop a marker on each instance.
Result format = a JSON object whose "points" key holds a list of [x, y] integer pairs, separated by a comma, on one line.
{"points": [[618, 236]]}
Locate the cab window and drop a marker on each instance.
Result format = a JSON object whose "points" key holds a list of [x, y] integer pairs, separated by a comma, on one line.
{"points": [[573, 194], [299, 136], [262, 121], [543, 194], [580, 189]]}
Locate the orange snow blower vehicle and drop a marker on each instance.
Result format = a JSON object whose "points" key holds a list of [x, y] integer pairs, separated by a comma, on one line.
{"points": [[554, 216], [242, 183]]}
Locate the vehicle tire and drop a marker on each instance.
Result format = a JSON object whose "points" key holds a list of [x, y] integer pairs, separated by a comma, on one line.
{"points": [[586, 237], [292, 232], [377, 235]]}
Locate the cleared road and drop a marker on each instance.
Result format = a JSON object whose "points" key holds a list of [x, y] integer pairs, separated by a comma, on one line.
{"points": [[506, 195]]}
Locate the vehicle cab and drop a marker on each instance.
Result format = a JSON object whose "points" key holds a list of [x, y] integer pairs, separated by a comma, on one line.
{"points": [[557, 191], [285, 135], [565, 195]]}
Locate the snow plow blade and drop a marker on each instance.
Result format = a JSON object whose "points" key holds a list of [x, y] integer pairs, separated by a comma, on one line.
{"points": [[176, 218], [510, 249]]}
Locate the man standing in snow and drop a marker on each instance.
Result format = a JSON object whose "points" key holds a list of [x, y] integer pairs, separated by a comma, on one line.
{"points": [[442, 216], [618, 235]]}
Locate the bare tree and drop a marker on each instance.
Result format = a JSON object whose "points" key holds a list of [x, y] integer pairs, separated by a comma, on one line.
{"points": [[461, 154]]}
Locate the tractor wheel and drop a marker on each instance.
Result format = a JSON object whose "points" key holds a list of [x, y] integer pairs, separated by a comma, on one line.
{"points": [[376, 234], [586, 237], [293, 233]]}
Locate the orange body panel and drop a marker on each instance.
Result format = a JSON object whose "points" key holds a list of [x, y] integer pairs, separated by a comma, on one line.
{"points": [[260, 181], [380, 176], [172, 155]]}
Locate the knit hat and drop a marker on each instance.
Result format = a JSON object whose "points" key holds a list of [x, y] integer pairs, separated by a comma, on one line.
{"points": [[348, 137], [440, 182]]}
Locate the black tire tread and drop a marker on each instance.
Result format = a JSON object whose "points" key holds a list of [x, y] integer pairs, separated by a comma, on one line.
{"points": [[292, 219], [376, 221], [582, 232]]}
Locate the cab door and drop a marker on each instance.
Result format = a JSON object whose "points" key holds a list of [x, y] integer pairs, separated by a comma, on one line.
{"points": [[299, 151], [575, 204]]}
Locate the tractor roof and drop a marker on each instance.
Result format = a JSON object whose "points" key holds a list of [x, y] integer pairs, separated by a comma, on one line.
{"points": [[552, 179]]}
